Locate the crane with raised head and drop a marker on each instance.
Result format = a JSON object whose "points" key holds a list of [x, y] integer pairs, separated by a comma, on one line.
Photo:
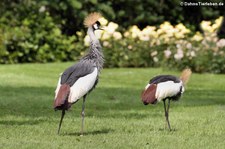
{"points": [[164, 87], [81, 78]]}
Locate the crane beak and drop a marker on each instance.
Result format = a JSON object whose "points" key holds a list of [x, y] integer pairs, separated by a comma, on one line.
{"points": [[102, 28]]}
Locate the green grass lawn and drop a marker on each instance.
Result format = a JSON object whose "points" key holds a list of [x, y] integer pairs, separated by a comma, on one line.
{"points": [[115, 115]]}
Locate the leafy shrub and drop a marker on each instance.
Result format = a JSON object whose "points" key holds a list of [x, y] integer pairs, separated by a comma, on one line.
{"points": [[173, 47], [36, 38]]}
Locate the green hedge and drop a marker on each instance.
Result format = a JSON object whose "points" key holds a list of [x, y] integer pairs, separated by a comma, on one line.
{"points": [[37, 39]]}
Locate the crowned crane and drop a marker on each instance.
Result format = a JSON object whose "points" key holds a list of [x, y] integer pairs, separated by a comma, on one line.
{"points": [[164, 87], [81, 78]]}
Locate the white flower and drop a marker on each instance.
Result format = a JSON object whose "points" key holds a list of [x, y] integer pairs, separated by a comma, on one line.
{"points": [[144, 37], [182, 28], [217, 23], [111, 27], [106, 36], [126, 34], [130, 47], [169, 33], [206, 26], [117, 35], [166, 26], [215, 27], [179, 35], [159, 31], [167, 53], [189, 46], [105, 43], [179, 55], [197, 37], [178, 46], [154, 53], [219, 20], [154, 34], [135, 31], [147, 30], [155, 59], [192, 54], [221, 43], [103, 21]]}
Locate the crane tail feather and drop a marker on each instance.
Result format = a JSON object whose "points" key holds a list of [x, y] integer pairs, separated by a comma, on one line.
{"points": [[148, 95], [61, 100], [185, 75]]}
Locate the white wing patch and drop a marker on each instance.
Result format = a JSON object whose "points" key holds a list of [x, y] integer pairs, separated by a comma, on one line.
{"points": [[146, 87], [82, 86], [58, 86], [167, 89]]}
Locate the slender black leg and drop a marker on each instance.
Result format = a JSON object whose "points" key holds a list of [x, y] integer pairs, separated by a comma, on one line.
{"points": [[167, 112], [164, 103], [167, 116], [83, 114], [60, 123]]}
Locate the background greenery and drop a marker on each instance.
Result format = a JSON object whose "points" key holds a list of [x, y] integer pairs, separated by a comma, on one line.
{"points": [[115, 115], [46, 31]]}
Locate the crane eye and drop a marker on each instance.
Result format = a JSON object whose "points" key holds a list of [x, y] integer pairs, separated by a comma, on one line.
{"points": [[95, 26]]}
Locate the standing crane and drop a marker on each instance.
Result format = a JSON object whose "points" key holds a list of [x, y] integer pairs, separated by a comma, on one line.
{"points": [[81, 78], [164, 87]]}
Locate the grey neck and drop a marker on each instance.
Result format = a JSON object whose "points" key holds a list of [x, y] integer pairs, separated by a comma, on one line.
{"points": [[91, 34], [95, 54]]}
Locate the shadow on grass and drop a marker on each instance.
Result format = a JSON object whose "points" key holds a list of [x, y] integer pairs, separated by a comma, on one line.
{"points": [[95, 132], [167, 130]]}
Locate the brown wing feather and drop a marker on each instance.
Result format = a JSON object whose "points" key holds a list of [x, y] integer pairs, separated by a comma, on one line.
{"points": [[148, 95], [61, 101]]}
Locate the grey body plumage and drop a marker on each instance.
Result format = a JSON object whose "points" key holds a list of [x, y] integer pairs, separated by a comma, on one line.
{"points": [[81, 78], [85, 66], [73, 73]]}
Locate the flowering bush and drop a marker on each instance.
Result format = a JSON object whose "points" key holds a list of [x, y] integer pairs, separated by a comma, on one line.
{"points": [[37, 37], [168, 46]]}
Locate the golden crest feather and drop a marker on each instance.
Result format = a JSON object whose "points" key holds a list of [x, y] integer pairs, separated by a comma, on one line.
{"points": [[91, 19], [185, 75]]}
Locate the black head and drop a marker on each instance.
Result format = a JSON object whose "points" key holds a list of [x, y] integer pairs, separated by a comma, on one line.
{"points": [[96, 26]]}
